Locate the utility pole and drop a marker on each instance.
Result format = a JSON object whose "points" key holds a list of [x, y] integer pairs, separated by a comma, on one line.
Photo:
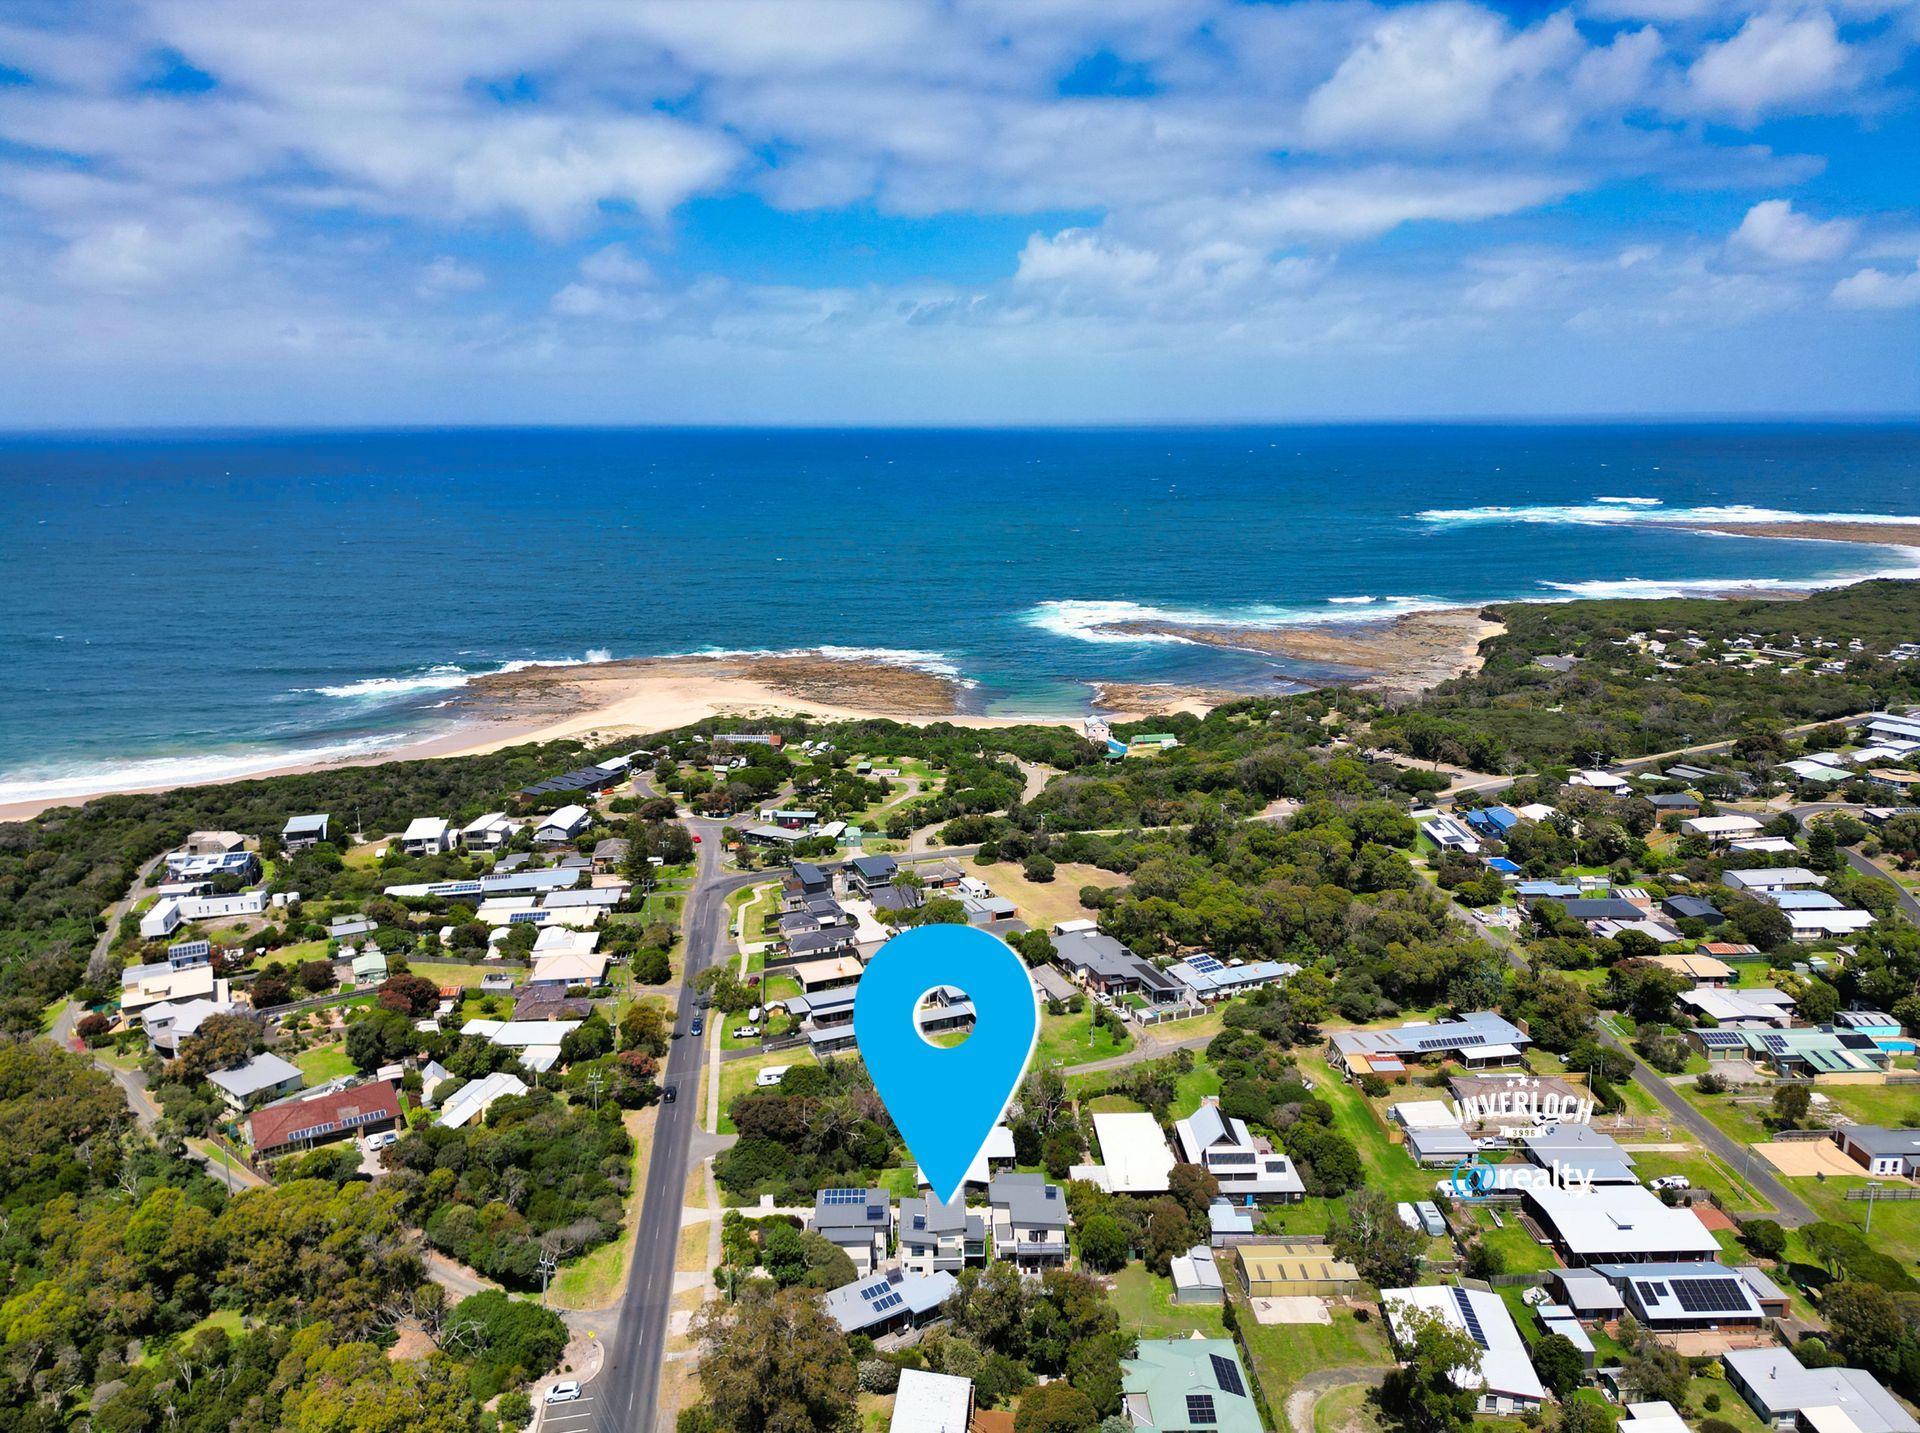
{"points": [[594, 1080], [1872, 1189], [547, 1263]]}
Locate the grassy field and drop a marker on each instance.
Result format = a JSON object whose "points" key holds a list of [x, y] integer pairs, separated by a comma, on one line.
{"points": [[1072, 1040], [229, 1319], [325, 1062], [1524, 1254], [1345, 1410], [1043, 904], [1146, 1307], [1894, 1106], [1389, 1167], [1284, 1353], [467, 976]]}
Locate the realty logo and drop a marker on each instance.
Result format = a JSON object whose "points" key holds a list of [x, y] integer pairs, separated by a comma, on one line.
{"points": [[1473, 1181]]}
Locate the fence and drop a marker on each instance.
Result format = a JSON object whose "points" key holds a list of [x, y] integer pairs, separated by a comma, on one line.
{"points": [[1875, 1195], [1802, 1136]]}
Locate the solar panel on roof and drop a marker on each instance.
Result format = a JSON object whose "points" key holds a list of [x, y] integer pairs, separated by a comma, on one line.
{"points": [[874, 1291], [1468, 1316], [1227, 1374], [1711, 1296], [1650, 1292], [876, 1212], [880, 1306], [843, 1196], [1775, 1043], [1200, 1410], [1205, 963]]}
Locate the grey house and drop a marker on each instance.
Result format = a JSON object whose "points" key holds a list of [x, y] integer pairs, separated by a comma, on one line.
{"points": [[858, 1220], [936, 1236], [1029, 1221]]}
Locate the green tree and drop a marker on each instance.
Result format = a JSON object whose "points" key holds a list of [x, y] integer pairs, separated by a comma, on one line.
{"points": [[1791, 1104], [1372, 1237], [1103, 1243], [1559, 1364], [1054, 1408], [1764, 1237], [773, 1362], [1426, 1390]]}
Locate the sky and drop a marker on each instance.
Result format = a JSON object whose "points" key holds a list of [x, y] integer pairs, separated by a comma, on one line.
{"points": [[326, 212]]}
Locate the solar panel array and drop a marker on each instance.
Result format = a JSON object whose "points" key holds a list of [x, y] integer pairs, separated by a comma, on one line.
{"points": [[1206, 964], [1712, 1296], [1468, 1316], [1719, 1039], [1450, 1042], [881, 1305], [1200, 1410], [1775, 1043], [1650, 1292], [1227, 1374], [843, 1196], [876, 1212], [875, 1290]]}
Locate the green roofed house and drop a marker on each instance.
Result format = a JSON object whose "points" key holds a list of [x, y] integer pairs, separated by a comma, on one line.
{"points": [[369, 965], [1177, 1384], [1151, 744]]}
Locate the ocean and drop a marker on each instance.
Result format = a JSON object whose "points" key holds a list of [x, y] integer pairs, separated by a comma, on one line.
{"points": [[187, 606]]}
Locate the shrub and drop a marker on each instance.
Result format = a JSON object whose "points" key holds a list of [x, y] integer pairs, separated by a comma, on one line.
{"points": [[878, 1376], [1711, 1403], [515, 1410]]}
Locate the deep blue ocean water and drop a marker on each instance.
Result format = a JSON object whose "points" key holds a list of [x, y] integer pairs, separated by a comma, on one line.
{"points": [[182, 606]]}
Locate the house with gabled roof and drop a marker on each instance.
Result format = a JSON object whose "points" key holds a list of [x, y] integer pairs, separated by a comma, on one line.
{"points": [[859, 1221], [1173, 1385], [1029, 1221], [1245, 1167]]}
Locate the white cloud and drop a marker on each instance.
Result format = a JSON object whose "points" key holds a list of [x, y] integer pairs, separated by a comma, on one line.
{"points": [[1428, 73], [448, 275], [133, 254], [1878, 289], [1775, 231], [615, 264], [1773, 61], [1075, 256]]}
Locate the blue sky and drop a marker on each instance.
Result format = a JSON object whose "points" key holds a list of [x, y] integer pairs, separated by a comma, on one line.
{"points": [[845, 211]]}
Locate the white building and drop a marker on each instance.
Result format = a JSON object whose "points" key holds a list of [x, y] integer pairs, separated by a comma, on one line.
{"points": [[1506, 1381], [1135, 1154], [427, 836], [1720, 828], [562, 826], [487, 833]]}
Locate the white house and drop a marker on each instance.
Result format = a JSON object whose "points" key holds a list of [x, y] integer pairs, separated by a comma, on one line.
{"points": [[1137, 1160], [162, 920], [1506, 1381], [487, 833], [1600, 781], [1720, 828], [427, 836]]}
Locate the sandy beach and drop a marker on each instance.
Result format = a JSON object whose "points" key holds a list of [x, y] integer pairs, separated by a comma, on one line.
{"points": [[1879, 534], [1401, 656]]}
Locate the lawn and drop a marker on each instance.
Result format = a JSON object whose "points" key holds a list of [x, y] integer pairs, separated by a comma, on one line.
{"points": [[1072, 1040], [1707, 1171], [1345, 1410], [1146, 1307], [1389, 1167], [737, 1077], [1285, 1353], [1524, 1254], [325, 1062], [1113, 1105], [466, 976], [1893, 1106], [1194, 1086], [1043, 904], [229, 1319]]}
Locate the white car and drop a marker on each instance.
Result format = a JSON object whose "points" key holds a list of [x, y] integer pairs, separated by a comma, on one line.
{"points": [[565, 1392], [1670, 1181], [381, 1140], [745, 1032]]}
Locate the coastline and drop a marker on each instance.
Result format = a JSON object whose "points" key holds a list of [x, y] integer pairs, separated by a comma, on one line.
{"points": [[1871, 534]]}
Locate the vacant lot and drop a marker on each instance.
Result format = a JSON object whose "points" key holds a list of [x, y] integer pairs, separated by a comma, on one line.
{"points": [[1045, 904]]}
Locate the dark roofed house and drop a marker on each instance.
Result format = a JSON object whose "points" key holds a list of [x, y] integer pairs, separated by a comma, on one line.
{"points": [[824, 941], [301, 832], [806, 879], [1029, 1220], [301, 1124], [610, 854], [1103, 964], [1604, 908], [1879, 1150], [1675, 803], [867, 874], [1683, 908]]}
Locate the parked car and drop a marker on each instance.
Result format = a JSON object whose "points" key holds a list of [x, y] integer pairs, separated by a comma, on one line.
{"points": [[669, 1095], [1670, 1181], [564, 1392], [382, 1139], [746, 1032]]}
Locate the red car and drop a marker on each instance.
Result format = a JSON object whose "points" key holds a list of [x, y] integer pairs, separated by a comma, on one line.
{"points": [[696, 840]]}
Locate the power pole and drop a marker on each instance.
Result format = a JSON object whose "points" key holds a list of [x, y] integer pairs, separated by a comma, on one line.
{"points": [[547, 1263], [594, 1080]]}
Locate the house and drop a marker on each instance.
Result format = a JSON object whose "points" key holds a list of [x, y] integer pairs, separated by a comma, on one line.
{"points": [[889, 1303], [1451, 835], [301, 832], [604, 777], [1530, 892], [867, 874], [264, 1077], [1763, 846], [487, 833], [1434, 1145], [1804, 900], [829, 974], [1196, 1278], [189, 866], [211, 907], [1692, 908], [427, 836], [169, 1023], [1171, 1385], [1721, 828], [370, 966], [162, 919], [1558, 1318], [1582, 1152], [1817, 769], [1906, 783], [804, 879], [144, 986], [1135, 1154], [825, 1019], [1658, 1416], [1493, 822], [859, 1221], [1477, 1039], [1813, 1054], [1618, 1223], [1881, 1151], [1029, 1220], [1586, 1294], [1681, 1298], [1675, 803], [536, 1043], [1600, 781], [1228, 1223], [1761, 879], [611, 853], [936, 1235], [1785, 1394], [1105, 966], [1706, 972], [1208, 979], [549, 1002], [319, 1119], [1281, 1268], [1591, 909], [474, 1098], [1506, 1382], [1735, 1009], [1247, 1169], [1050, 984], [1827, 925], [568, 968], [932, 1403], [822, 942], [562, 827]]}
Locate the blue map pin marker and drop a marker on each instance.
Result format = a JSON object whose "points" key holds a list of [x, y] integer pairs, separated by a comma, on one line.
{"points": [[945, 1100]]}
